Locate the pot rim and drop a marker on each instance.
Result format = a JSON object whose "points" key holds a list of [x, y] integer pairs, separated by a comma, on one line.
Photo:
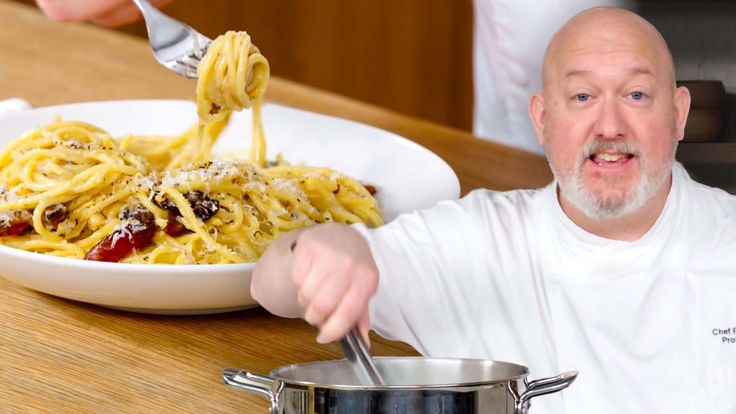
{"points": [[414, 387]]}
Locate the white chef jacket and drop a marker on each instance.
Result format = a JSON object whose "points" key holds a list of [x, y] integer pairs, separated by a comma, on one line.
{"points": [[510, 38], [650, 325]]}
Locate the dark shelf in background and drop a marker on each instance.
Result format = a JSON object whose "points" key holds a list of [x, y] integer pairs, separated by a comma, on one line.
{"points": [[635, 2], [707, 153]]}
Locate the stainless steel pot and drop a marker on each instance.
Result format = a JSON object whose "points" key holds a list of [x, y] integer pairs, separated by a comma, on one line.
{"points": [[416, 385]]}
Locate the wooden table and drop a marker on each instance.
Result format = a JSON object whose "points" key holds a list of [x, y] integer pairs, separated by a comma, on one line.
{"points": [[66, 357]]}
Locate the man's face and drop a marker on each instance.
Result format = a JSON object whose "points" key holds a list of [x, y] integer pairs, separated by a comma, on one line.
{"points": [[610, 126]]}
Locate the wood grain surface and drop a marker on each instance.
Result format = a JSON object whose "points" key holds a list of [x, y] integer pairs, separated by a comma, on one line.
{"points": [[349, 47], [65, 357]]}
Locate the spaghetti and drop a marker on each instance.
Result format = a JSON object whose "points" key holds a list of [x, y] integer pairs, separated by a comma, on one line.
{"points": [[70, 189]]}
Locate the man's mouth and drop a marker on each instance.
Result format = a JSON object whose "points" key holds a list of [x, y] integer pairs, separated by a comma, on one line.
{"points": [[610, 159]]}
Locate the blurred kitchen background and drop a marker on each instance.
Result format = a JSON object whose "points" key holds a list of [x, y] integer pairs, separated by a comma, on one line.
{"points": [[415, 57]]}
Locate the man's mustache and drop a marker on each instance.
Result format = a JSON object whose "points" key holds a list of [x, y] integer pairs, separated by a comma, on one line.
{"points": [[598, 145]]}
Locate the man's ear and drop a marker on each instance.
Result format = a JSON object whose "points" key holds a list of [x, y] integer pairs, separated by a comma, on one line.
{"points": [[682, 108], [536, 113]]}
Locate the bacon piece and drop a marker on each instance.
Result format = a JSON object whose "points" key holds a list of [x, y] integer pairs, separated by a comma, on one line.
{"points": [[53, 215], [166, 204], [134, 232], [174, 228], [203, 206], [15, 223], [371, 189]]}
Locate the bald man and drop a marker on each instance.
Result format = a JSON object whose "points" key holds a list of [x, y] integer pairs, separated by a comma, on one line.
{"points": [[623, 268], [509, 39]]}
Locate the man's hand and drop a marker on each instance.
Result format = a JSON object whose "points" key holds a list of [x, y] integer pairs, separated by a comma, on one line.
{"points": [[331, 277], [110, 13]]}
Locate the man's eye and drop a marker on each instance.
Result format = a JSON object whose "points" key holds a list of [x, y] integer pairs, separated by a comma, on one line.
{"points": [[582, 97], [637, 96]]}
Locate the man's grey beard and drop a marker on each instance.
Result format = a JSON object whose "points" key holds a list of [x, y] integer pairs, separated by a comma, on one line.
{"points": [[574, 190]]}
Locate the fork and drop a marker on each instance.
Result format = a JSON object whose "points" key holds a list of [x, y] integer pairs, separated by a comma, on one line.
{"points": [[174, 44]]}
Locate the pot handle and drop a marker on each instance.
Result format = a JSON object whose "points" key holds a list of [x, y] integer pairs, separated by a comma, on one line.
{"points": [[253, 383], [544, 386]]}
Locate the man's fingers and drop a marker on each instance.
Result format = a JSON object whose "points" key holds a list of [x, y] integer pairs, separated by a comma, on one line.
{"points": [[123, 14], [326, 300], [350, 309], [110, 13], [78, 9], [302, 263], [333, 279], [364, 326], [311, 284]]}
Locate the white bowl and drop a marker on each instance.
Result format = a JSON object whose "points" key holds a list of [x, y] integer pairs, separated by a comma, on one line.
{"points": [[407, 175]]}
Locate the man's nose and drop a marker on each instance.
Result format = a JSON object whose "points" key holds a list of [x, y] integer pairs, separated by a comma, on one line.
{"points": [[611, 121]]}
